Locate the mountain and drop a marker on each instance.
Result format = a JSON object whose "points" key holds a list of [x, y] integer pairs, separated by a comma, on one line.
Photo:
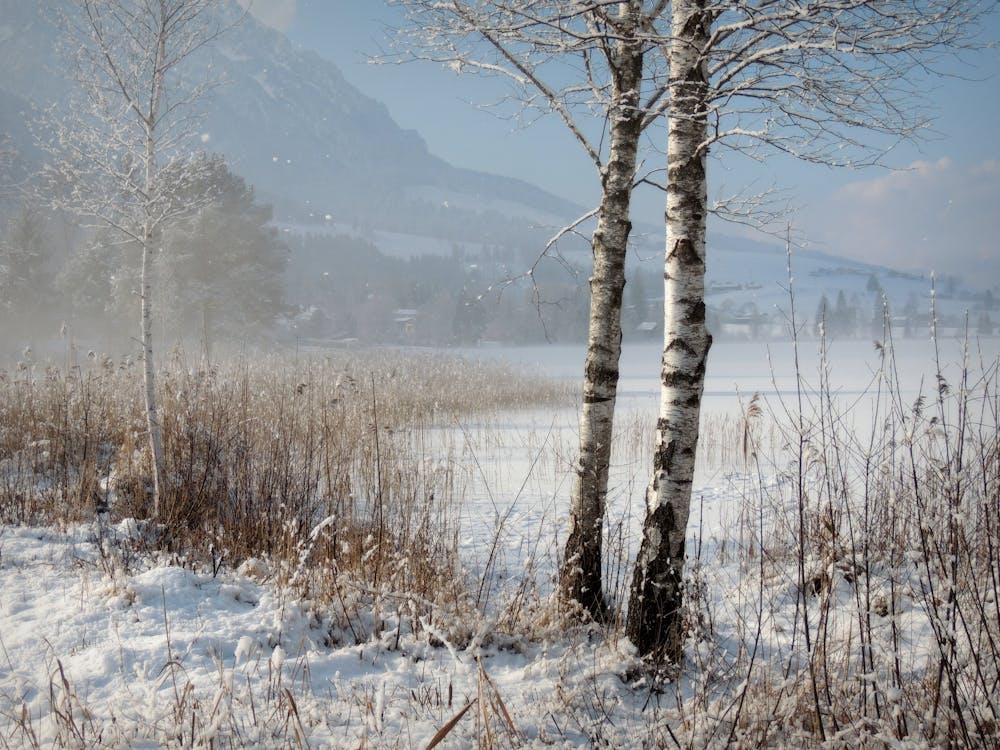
{"points": [[288, 121], [332, 160]]}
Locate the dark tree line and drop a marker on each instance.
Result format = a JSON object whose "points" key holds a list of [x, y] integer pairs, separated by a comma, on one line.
{"points": [[346, 287], [220, 266]]}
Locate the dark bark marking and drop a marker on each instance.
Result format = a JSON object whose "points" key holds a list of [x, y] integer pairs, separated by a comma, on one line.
{"points": [[654, 617], [679, 343], [683, 251], [696, 313], [600, 374]]}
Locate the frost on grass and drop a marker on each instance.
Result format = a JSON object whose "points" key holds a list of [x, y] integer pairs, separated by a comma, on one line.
{"points": [[185, 656], [841, 586]]}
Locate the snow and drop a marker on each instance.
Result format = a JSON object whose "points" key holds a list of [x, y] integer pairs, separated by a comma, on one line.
{"points": [[124, 652], [261, 78], [102, 644], [394, 244], [231, 53], [127, 650], [484, 203]]}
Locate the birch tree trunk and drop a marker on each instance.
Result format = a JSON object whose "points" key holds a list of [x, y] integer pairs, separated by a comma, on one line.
{"points": [[149, 376], [581, 574], [654, 617], [146, 299]]}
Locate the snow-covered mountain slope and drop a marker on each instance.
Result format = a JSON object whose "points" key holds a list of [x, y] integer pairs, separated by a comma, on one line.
{"points": [[289, 122], [329, 157]]}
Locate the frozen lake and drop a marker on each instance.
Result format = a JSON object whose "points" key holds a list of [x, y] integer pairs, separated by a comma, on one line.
{"points": [[516, 470], [739, 369]]}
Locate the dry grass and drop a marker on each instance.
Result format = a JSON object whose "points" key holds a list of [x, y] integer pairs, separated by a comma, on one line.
{"points": [[307, 462], [859, 590], [852, 600]]}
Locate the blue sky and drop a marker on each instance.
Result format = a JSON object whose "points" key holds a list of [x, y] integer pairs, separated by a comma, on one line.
{"points": [[940, 212]]}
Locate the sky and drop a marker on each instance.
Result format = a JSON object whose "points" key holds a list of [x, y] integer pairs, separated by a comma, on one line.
{"points": [[937, 211]]}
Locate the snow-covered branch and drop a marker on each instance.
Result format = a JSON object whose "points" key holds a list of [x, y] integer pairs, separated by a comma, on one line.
{"points": [[816, 80], [559, 57]]}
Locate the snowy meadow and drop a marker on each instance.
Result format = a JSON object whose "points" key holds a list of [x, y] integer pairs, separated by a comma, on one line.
{"points": [[359, 550]]}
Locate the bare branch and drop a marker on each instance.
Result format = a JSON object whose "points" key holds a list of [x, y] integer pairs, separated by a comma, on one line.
{"points": [[559, 56], [816, 80]]}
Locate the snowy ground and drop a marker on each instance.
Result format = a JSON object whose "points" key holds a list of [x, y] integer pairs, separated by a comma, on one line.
{"points": [[108, 650], [104, 646], [164, 655]]}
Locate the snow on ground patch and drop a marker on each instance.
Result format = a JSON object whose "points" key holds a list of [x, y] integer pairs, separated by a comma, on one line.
{"points": [[101, 646], [154, 654]]}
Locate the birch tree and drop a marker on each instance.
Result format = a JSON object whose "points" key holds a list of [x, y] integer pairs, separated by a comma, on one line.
{"points": [[834, 82], [137, 112], [586, 62]]}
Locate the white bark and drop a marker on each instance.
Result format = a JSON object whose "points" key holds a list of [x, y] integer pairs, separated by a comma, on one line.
{"points": [[654, 616], [814, 81], [149, 383], [581, 573], [146, 288], [112, 145]]}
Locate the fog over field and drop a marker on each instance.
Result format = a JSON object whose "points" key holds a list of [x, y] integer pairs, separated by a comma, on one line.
{"points": [[386, 235], [499, 374]]}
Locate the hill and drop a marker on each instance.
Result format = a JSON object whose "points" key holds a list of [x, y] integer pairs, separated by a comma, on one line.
{"points": [[288, 121]]}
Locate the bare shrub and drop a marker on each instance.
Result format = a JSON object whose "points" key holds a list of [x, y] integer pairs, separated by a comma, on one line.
{"points": [[869, 536], [308, 462]]}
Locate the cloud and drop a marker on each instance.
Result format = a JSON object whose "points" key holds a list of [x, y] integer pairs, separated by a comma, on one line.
{"points": [[278, 14], [933, 216]]}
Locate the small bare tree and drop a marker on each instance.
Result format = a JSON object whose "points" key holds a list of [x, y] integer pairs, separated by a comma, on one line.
{"points": [[834, 82], [137, 112], [589, 63]]}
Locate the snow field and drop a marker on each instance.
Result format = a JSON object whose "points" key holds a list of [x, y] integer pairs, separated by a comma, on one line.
{"points": [[841, 591]]}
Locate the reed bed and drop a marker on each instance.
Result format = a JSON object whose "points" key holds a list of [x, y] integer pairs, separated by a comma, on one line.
{"points": [[852, 599], [843, 580], [259, 455]]}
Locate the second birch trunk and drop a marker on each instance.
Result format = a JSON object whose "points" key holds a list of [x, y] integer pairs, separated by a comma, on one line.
{"points": [[581, 573], [146, 286], [655, 607], [149, 382]]}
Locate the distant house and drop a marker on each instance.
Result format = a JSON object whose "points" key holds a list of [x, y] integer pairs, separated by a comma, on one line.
{"points": [[404, 319], [718, 287], [749, 323]]}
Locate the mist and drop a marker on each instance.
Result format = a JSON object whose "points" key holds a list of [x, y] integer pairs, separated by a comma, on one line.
{"points": [[344, 228]]}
